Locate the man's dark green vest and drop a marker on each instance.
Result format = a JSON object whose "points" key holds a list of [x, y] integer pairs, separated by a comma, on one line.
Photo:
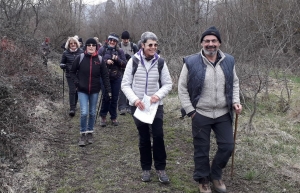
{"points": [[196, 77]]}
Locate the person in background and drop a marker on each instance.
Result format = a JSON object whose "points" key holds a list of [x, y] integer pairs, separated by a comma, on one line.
{"points": [[211, 75], [115, 60], [68, 57], [86, 75], [45, 49], [129, 49], [146, 81], [98, 42], [81, 43]]}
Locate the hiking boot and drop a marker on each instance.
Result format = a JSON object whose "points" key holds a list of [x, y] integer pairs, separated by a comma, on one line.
{"points": [[82, 140], [219, 186], [72, 113], [162, 176], [89, 138], [122, 112], [114, 122], [128, 111], [146, 177], [204, 186], [103, 122]]}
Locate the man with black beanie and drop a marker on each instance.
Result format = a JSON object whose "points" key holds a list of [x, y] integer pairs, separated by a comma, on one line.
{"points": [[211, 75], [129, 49]]}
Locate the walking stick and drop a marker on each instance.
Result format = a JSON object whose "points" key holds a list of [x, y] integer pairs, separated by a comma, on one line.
{"points": [[63, 86], [98, 107], [234, 137]]}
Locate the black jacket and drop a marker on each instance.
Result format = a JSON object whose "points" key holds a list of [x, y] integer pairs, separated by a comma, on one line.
{"points": [[68, 58], [119, 64], [87, 74]]}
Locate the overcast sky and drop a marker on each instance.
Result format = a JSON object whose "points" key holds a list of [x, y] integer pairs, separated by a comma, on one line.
{"points": [[93, 2]]}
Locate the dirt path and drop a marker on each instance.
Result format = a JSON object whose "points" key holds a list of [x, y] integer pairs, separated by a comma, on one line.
{"points": [[53, 163]]}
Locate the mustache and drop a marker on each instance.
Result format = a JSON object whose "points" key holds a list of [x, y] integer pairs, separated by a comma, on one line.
{"points": [[209, 47]]}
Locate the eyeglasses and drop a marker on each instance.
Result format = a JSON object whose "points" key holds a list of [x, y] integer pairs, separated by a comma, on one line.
{"points": [[71, 43], [112, 40], [212, 41], [93, 45], [150, 45]]}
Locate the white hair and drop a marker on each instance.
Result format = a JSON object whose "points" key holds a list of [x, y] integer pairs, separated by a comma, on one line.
{"points": [[68, 42]]}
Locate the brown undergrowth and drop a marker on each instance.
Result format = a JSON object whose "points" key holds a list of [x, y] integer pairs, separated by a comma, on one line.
{"points": [[39, 151]]}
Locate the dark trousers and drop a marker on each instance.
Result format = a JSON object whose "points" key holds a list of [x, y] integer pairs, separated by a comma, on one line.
{"points": [[123, 103], [159, 152], [201, 128], [73, 95], [111, 105], [45, 59]]}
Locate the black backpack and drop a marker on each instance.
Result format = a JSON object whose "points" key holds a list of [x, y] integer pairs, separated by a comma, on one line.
{"points": [[82, 55], [160, 64]]}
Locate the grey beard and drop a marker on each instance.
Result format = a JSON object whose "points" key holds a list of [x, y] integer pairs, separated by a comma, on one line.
{"points": [[209, 53]]}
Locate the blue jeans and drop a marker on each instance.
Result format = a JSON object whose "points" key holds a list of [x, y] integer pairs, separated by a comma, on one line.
{"points": [[88, 103], [111, 105]]}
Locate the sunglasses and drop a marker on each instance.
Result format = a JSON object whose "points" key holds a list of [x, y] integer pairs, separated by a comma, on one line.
{"points": [[212, 41], [151, 45], [93, 45], [73, 43], [112, 40]]}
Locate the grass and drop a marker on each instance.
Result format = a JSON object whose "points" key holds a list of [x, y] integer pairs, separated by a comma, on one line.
{"points": [[266, 159]]}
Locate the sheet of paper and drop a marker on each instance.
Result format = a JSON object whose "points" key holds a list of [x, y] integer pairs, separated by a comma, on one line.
{"points": [[147, 115]]}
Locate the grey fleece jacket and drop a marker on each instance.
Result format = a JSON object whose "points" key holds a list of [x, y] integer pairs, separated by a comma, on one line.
{"points": [[212, 102]]}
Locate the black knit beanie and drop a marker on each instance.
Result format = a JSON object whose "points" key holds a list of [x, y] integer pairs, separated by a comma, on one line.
{"points": [[212, 31], [91, 41], [125, 35]]}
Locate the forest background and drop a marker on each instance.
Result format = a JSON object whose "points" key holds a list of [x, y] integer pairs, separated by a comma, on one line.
{"points": [[262, 35]]}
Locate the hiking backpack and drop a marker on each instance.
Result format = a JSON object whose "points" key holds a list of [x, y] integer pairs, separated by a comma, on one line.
{"points": [[160, 64], [134, 47]]}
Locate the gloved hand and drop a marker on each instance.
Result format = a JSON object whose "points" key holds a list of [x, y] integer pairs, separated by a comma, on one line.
{"points": [[63, 66], [127, 56]]}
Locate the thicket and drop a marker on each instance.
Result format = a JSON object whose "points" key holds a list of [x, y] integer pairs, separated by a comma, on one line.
{"points": [[263, 36], [24, 81]]}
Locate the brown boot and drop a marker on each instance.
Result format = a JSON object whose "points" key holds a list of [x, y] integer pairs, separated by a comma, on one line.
{"points": [[103, 122], [219, 186], [204, 186], [114, 122]]}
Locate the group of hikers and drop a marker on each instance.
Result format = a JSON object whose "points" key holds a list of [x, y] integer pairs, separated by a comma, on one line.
{"points": [[208, 90]]}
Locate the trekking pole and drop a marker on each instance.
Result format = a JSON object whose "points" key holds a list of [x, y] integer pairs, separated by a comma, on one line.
{"points": [[63, 86], [98, 107], [234, 138]]}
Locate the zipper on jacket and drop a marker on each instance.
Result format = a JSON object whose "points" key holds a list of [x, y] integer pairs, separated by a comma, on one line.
{"points": [[90, 77]]}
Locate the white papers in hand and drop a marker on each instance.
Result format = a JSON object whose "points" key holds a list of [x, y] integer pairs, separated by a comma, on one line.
{"points": [[147, 115]]}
